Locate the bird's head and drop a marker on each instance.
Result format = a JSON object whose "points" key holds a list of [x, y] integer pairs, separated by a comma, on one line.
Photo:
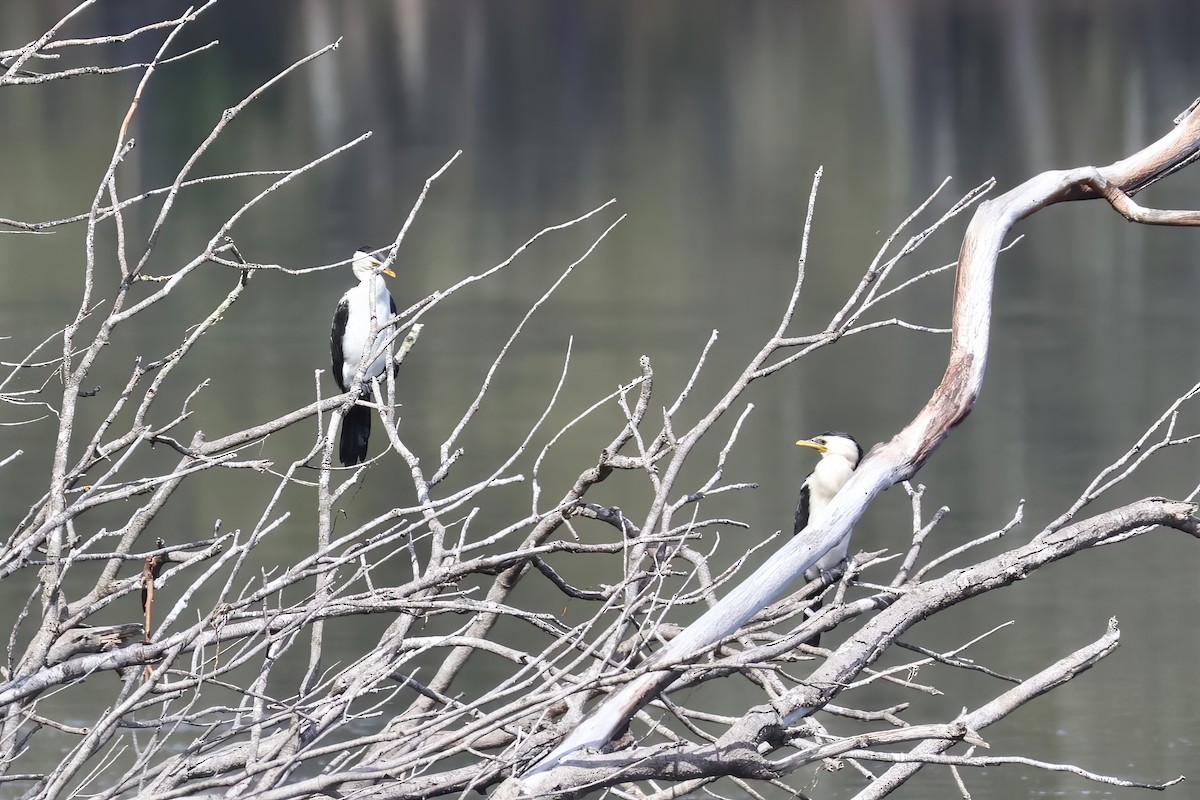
{"points": [[365, 263], [837, 444]]}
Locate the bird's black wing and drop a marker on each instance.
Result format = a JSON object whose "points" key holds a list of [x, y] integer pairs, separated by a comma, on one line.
{"points": [[336, 333], [392, 303], [813, 572], [802, 509]]}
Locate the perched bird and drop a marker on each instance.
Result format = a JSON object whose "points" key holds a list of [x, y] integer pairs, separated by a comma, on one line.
{"points": [[840, 454], [366, 307]]}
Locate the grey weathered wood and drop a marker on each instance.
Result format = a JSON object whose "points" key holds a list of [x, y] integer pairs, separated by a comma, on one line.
{"points": [[900, 458], [86, 640]]}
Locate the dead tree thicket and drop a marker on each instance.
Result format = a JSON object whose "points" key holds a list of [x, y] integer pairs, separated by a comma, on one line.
{"points": [[585, 707]]}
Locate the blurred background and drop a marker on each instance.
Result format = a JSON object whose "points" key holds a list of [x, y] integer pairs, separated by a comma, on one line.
{"points": [[706, 121]]}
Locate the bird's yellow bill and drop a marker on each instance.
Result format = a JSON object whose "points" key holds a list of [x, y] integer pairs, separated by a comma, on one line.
{"points": [[375, 262], [820, 448]]}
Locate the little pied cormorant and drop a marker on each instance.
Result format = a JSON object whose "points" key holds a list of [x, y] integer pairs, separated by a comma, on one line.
{"points": [[840, 454], [366, 307]]}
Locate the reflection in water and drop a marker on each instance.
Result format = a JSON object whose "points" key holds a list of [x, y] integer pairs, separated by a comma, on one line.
{"points": [[706, 121]]}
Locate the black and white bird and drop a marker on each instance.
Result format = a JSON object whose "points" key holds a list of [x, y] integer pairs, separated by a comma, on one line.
{"points": [[366, 308], [840, 454]]}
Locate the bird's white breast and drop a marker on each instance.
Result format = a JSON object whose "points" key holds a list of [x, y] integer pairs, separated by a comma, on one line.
{"points": [[358, 328], [829, 476]]}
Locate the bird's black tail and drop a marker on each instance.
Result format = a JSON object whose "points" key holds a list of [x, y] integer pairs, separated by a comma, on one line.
{"points": [[816, 604], [356, 430], [813, 610]]}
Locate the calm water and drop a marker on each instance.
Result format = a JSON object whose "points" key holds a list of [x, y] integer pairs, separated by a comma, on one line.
{"points": [[706, 122]]}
